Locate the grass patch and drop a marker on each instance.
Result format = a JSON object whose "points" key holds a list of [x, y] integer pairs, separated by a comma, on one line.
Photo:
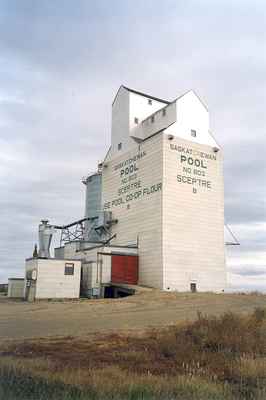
{"points": [[111, 383], [218, 358]]}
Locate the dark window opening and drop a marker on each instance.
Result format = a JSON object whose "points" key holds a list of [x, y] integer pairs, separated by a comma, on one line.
{"points": [[69, 269], [164, 112], [136, 120], [193, 133], [150, 101], [193, 287], [119, 146], [152, 118]]}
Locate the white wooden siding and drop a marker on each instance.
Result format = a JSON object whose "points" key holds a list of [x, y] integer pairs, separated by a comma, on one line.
{"points": [[193, 223]]}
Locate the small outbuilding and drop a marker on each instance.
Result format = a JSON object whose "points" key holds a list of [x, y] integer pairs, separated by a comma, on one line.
{"points": [[16, 288], [52, 279]]}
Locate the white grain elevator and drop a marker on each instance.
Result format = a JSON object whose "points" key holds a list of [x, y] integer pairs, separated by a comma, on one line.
{"points": [[162, 179]]}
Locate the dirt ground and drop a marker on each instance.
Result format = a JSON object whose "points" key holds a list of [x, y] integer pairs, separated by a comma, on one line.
{"points": [[149, 308]]}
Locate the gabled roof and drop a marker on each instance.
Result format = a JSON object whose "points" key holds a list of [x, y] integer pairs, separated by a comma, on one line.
{"points": [[193, 91], [157, 98], [147, 95], [142, 94]]}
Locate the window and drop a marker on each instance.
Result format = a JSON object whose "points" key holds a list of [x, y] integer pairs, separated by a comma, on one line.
{"points": [[119, 146], [152, 118], [69, 269], [136, 120], [150, 102], [164, 112], [193, 287], [193, 133]]}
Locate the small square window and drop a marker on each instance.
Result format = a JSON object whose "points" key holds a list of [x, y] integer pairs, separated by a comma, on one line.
{"points": [[193, 133], [69, 269], [136, 120], [152, 118], [150, 102], [193, 287], [119, 146], [164, 112]]}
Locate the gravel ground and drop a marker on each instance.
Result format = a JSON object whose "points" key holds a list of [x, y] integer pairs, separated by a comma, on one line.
{"points": [[148, 308]]}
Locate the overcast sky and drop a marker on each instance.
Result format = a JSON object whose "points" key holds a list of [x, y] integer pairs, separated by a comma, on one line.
{"points": [[61, 63]]}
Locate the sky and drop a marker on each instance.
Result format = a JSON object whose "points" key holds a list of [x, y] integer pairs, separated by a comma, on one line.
{"points": [[61, 63]]}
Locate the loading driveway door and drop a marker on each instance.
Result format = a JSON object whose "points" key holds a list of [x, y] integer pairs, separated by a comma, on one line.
{"points": [[124, 269]]}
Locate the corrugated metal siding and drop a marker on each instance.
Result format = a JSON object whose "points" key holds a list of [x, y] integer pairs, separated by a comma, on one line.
{"points": [[124, 269], [93, 204]]}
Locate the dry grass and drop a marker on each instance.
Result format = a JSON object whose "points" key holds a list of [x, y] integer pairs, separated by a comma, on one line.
{"points": [[108, 383], [152, 308], [211, 358]]}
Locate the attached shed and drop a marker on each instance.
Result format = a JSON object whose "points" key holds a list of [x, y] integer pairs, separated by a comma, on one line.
{"points": [[52, 278], [16, 288]]}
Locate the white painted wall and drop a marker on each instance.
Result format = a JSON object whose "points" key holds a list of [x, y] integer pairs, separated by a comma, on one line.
{"points": [[30, 265], [191, 113], [95, 265], [137, 210], [140, 108], [16, 288], [182, 115], [120, 122], [90, 276], [98, 271], [51, 280], [193, 223], [161, 120], [180, 233], [126, 107]]}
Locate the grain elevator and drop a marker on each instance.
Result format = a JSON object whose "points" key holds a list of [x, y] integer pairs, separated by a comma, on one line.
{"points": [[162, 179], [154, 212]]}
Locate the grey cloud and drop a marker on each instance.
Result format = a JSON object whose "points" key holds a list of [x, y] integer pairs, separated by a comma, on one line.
{"points": [[245, 208], [249, 270], [245, 191]]}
